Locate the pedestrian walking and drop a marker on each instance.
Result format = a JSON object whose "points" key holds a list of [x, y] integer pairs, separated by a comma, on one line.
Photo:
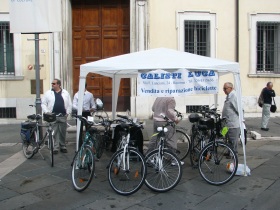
{"points": [[267, 94]]}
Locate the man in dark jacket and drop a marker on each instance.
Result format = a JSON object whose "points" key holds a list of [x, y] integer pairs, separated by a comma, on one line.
{"points": [[268, 93]]}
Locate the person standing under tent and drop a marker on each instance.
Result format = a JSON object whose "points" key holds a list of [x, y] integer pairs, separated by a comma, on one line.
{"points": [[89, 106], [230, 112]]}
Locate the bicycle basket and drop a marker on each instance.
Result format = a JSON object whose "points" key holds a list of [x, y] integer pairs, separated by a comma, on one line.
{"points": [[194, 118], [209, 122], [26, 129], [49, 117]]}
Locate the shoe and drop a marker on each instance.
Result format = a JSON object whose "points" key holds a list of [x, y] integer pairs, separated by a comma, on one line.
{"points": [[265, 129], [63, 150], [175, 163], [55, 152], [226, 154]]}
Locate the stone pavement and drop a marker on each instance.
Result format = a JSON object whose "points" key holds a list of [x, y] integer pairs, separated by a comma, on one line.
{"points": [[33, 184]]}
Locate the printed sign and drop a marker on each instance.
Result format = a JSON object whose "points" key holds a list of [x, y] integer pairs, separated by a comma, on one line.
{"points": [[35, 16], [178, 83]]}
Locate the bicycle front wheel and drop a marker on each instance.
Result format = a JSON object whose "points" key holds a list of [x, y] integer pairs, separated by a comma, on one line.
{"points": [[83, 167], [51, 149], [214, 167], [127, 171], [164, 170], [183, 144]]}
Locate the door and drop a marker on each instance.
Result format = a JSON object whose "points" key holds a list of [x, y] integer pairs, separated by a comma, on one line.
{"points": [[100, 29]]}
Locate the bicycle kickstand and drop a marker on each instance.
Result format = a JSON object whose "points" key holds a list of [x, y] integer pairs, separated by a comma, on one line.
{"points": [[41, 153]]}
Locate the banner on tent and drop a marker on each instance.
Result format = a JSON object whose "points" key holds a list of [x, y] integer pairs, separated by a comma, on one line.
{"points": [[178, 83], [29, 16]]}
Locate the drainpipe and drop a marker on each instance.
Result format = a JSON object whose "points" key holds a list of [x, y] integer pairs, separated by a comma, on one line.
{"points": [[237, 30]]}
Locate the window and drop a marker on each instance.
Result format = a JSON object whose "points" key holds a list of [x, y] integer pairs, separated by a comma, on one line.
{"points": [[197, 32], [268, 47], [6, 50], [197, 37], [264, 45]]}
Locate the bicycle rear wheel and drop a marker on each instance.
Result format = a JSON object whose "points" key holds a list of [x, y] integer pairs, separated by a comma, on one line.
{"points": [[28, 147], [127, 171], [183, 144], [83, 167], [51, 149], [164, 170], [214, 167]]}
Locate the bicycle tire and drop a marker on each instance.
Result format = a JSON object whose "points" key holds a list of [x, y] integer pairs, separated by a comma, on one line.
{"points": [[127, 181], [28, 147], [164, 171], [102, 113], [194, 150], [83, 167], [51, 149], [214, 166], [183, 144], [99, 145]]}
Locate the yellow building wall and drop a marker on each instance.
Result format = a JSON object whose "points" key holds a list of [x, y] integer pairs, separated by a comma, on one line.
{"points": [[163, 33]]}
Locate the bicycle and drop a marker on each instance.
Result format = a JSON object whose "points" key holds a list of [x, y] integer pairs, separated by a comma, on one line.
{"points": [[199, 137], [214, 167], [83, 164], [183, 139], [164, 169], [30, 134], [127, 168], [105, 133]]}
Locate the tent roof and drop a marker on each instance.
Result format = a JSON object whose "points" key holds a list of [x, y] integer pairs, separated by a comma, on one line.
{"points": [[128, 65]]}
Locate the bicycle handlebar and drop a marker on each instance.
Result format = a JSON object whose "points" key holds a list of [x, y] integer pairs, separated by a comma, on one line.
{"points": [[80, 117], [130, 121]]}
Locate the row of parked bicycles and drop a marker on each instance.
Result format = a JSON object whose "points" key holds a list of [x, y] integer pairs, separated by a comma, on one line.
{"points": [[128, 169]]}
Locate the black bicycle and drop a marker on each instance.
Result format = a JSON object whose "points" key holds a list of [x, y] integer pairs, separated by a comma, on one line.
{"points": [[30, 135], [183, 139], [217, 162]]}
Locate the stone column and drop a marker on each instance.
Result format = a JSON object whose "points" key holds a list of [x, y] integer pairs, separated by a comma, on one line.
{"points": [[138, 38]]}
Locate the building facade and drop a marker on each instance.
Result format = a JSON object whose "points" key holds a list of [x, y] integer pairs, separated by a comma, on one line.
{"points": [[244, 31]]}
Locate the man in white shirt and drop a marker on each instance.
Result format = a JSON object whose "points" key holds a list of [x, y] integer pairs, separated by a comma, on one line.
{"points": [[88, 107], [58, 101]]}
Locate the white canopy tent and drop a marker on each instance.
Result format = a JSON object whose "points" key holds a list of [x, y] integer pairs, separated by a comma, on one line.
{"points": [[129, 65]]}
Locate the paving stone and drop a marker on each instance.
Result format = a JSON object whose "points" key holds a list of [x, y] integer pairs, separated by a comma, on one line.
{"points": [[19, 201], [6, 193], [249, 186], [222, 200], [266, 200], [34, 183]]}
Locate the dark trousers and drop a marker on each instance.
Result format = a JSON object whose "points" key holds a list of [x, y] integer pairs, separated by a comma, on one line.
{"points": [[84, 114]]}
